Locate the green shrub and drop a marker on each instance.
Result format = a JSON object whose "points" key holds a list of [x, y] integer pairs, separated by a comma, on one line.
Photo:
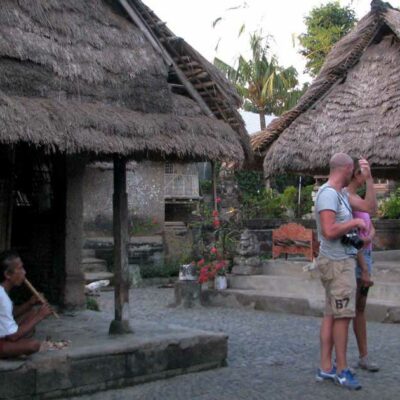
{"points": [[167, 270], [91, 304], [306, 201], [205, 186], [289, 198], [266, 204], [250, 183], [390, 208]]}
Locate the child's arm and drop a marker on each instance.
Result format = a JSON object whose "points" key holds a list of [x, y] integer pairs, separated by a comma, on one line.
{"points": [[28, 324]]}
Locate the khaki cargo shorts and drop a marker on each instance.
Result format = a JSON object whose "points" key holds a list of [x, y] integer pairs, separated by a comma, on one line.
{"points": [[339, 280]]}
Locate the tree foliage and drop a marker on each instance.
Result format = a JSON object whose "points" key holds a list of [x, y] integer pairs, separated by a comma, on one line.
{"points": [[325, 26], [265, 86]]}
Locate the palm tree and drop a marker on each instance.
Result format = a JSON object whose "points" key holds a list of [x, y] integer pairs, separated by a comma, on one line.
{"points": [[264, 85]]}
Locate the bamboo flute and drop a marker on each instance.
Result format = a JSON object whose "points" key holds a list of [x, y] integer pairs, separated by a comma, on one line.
{"points": [[39, 296]]}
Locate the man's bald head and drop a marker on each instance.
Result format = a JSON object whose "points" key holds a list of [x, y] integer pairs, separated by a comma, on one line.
{"points": [[339, 160]]}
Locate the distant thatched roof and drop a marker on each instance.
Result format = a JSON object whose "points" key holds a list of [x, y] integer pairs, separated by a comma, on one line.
{"points": [[80, 76], [353, 105]]}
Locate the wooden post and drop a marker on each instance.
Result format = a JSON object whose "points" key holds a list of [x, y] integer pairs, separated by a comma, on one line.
{"points": [[72, 204], [7, 154], [120, 324], [214, 184]]}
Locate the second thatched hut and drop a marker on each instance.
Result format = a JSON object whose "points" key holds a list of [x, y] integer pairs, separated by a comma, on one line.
{"points": [[353, 105]]}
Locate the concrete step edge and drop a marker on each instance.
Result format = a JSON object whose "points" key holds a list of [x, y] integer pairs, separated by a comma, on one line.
{"points": [[271, 302], [93, 260], [266, 293], [257, 278]]}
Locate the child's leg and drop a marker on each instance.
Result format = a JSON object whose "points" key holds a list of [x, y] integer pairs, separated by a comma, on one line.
{"points": [[18, 348]]}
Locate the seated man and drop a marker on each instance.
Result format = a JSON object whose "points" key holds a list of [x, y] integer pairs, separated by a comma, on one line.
{"points": [[15, 339]]}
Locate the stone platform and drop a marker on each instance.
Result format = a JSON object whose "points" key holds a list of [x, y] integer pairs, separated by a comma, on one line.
{"points": [[285, 286], [96, 361]]}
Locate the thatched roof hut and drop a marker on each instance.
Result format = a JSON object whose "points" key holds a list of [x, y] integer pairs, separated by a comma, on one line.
{"points": [[353, 105], [80, 76]]}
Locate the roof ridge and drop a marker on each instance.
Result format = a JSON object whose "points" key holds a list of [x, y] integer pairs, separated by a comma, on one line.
{"points": [[379, 5]]}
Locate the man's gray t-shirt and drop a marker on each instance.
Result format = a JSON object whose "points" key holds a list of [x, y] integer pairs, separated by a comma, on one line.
{"points": [[329, 199]]}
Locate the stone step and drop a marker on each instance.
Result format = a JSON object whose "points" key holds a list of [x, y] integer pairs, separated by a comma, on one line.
{"points": [[136, 245], [147, 250], [91, 264], [377, 310], [108, 242], [385, 271], [386, 255], [88, 253], [283, 267], [98, 276], [174, 223], [96, 361], [306, 287]]}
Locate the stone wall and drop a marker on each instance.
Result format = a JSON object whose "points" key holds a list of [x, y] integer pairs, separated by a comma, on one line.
{"points": [[387, 232], [145, 251], [145, 187]]}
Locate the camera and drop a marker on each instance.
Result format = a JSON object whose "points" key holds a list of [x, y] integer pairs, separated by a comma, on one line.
{"points": [[352, 239]]}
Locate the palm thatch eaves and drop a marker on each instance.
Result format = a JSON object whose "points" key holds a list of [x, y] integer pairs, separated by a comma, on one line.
{"points": [[79, 76]]}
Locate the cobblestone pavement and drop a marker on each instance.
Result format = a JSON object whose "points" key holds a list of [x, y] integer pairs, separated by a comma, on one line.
{"points": [[271, 356]]}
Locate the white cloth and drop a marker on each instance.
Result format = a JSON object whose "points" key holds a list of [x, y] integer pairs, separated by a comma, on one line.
{"points": [[8, 326]]}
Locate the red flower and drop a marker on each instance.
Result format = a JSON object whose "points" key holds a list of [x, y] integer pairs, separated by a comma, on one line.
{"points": [[214, 250], [216, 223], [218, 200], [201, 262], [215, 213]]}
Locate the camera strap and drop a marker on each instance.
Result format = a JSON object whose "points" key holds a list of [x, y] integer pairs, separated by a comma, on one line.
{"points": [[341, 199]]}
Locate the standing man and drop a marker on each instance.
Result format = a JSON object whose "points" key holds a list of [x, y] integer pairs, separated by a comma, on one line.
{"points": [[336, 263]]}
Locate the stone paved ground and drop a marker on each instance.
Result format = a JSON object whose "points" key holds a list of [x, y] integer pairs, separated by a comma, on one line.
{"points": [[271, 356]]}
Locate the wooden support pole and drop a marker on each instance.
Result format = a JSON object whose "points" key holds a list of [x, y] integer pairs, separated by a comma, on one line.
{"points": [[214, 183], [167, 58], [72, 212], [120, 324]]}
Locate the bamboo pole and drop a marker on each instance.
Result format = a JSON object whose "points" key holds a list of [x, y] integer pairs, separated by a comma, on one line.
{"points": [[214, 184], [168, 59], [39, 296]]}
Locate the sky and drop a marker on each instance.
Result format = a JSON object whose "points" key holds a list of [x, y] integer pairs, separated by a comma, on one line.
{"points": [[283, 19]]}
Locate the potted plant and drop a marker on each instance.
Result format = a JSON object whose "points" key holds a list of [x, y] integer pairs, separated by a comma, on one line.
{"points": [[221, 282], [213, 271]]}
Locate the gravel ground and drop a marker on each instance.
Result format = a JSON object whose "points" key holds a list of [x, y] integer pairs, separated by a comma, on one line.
{"points": [[271, 356]]}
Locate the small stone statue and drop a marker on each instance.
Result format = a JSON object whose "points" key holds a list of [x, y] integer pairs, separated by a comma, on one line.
{"points": [[247, 262], [248, 245]]}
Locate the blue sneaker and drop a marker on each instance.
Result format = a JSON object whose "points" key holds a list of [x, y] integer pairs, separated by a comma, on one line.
{"points": [[347, 379], [325, 376]]}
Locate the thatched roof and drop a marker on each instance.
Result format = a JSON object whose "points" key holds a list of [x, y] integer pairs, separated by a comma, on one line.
{"points": [[353, 105], [79, 76], [71, 126], [216, 91]]}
